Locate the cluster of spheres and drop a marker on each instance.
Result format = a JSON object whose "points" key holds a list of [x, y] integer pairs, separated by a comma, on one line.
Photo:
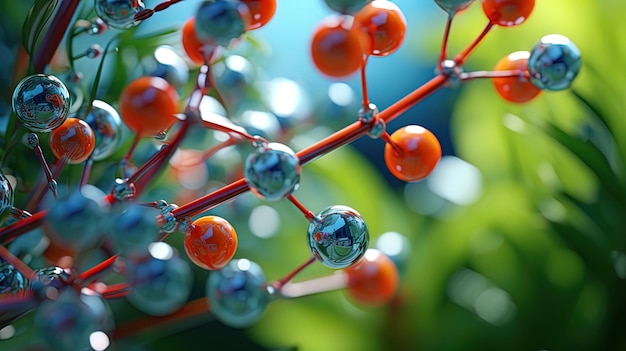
{"points": [[237, 289]]}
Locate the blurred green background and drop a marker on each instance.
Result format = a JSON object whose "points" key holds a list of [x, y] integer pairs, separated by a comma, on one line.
{"points": [[518, 239]]}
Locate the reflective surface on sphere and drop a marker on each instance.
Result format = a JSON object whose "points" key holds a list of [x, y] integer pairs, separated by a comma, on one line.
{"points": [[134, 229], [74, 141], [554, 62], [515, 89], [66, 323], [48, 281], [107, 127], [219, 22], [238, 293], [119, 14], [454, 6], [6, 196], [385, 24], [210, 242], [161, 281], [346, 6], [11, 280], [338, 237], [41, 102], [75, 219], [272, 171]]}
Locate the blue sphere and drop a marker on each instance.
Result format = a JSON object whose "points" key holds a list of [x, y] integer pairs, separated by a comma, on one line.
{"points": [[107, 127], [554, 62], [338, 236], [238, 293], [348, 7], [119, 14], [11, 280], [161, 281], [272, 171], [6, 196], [41, 102], [75, 219], [219, 22], [454, 6]]}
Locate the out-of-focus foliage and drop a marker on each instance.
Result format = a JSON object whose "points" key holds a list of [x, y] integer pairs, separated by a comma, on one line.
{"points": [[538, 261]]}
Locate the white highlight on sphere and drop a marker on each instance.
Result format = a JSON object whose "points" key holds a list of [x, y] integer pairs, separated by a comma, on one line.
{"points": [[99, 341]]}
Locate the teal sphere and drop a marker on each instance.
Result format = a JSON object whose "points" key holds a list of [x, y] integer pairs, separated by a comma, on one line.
{"points": [[219, 22], [338, 237], [238, 293], [272, 171], [41, 102], [454, 6], [554, 63]]}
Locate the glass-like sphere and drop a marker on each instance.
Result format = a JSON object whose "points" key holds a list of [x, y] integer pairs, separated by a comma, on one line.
{"points": [[41, 102], [347, 7], [119, 14], [75, 219], [44, 279], [107, 127], [454, 6], [6, 195], [338, 237], [66, 323], [554, 62], [272, 171], [11, 280], [219, 22], [238, 293], [134, 229], [161, 281]]}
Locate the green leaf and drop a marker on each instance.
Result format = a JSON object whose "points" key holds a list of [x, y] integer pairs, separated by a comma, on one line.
{"points": [[590, 155], [35, 22]]}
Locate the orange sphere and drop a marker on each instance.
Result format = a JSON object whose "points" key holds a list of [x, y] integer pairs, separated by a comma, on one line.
{"points": [[414, 154], [261, 12], [191, 44], [373, 280], [337, 47], [148, 105], [210, 242], [515, 89], [385, 24], [508, 13], [74, 140]]}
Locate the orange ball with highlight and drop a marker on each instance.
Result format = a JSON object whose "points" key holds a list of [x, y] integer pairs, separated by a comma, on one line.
{"points": [[73, 140], [338, 46], [517, 89], [211, 242], [260, 11], [373, 280], [385, 25], [191, 44], [413, 153], [148, 105]]}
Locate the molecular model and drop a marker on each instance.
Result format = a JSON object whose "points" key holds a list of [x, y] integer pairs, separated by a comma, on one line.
{"points": [[78, 210]]}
